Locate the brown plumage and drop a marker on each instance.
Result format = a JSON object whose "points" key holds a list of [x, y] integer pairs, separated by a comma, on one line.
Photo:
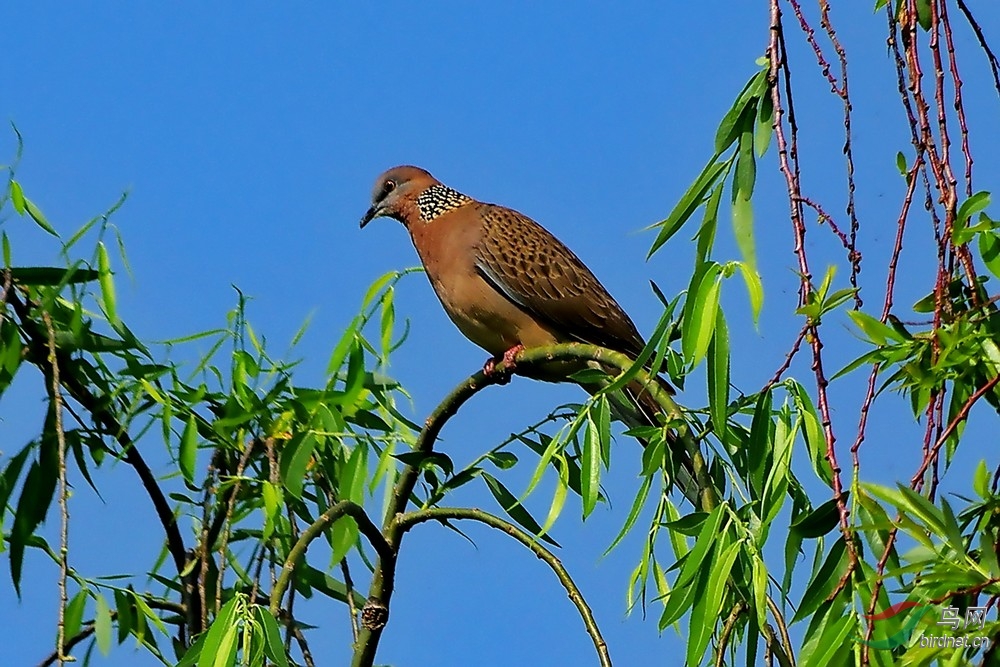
{"points": [[501, 277], [506, 281]]}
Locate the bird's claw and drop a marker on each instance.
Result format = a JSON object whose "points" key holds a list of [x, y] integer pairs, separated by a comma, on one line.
{"points": [[509, 364]]}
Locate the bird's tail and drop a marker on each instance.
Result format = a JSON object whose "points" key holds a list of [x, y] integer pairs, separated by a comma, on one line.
{"points": [[636, 408]]}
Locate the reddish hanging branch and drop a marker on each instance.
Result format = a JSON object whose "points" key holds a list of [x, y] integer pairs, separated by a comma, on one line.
{"points": [[789, 165]]}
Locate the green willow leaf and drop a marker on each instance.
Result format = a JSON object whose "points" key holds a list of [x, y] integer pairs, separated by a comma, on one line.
{"points": [[877, 332], [24, 205], [141, 605], [764, 128], [981, 480], [700, 313], [820, 521], [125, 619], [718, 377], [107, 283], [813, 433], [760, 445], [36, 214], [32, 507], [989, 250], [352, 477], [633, 514], [746, 165], [824, 581], [925, 14], [559, 495], [51, 275], [514, 509], [743, 109], [706, 540], [703, 624], [901, 164], [274, 648], [295, 457], [832, 640], [590, 462], [102, 625], [73, 618], [682, 598], [17, 196], [189, 449], [688, 203], [215, 640], [974, 204], [8, 480], [743, 230], [709, 224], [755, 290], [343, 536]]}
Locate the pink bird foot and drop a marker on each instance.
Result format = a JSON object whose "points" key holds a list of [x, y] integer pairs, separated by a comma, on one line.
{"points": [[508, 359]]}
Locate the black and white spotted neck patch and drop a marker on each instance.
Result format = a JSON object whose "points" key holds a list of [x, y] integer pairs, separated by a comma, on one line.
{"points": [[437, 200]]}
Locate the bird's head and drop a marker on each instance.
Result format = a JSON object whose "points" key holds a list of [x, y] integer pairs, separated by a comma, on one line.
{"points": [[396, 192]]}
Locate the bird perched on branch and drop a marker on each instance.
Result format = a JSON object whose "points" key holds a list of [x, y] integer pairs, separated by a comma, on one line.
{"points": [[507, 282]]}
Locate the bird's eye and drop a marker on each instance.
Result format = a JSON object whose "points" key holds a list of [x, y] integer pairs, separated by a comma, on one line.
{"points": [[388, 186]]}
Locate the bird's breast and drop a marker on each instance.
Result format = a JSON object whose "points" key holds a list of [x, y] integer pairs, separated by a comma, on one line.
{"points": [[483, 314]]}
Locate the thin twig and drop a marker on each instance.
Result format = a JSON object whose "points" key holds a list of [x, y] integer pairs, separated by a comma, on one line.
{"points": [[290, 605], [786, 640], [84, 632], [55, 394], [230, 504], [300, 639], [776, 378], [351, 607], [727, 630], [960, 417], [407, 521], [994, 63]]}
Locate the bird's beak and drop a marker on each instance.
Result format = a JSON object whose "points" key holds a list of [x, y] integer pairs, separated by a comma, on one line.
{"points": [[372, 213]]}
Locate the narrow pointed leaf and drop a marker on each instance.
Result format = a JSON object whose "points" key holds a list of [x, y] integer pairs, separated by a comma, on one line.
{"points": [[514, 509], [274, 648], [189, 449], [718, 377], [107, 283], [102, 625], [688, 203], [590, 463], [699, 320]]}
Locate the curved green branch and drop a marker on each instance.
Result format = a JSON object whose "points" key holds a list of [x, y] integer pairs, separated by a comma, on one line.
{"points": [[327, 518], [407, 521]]}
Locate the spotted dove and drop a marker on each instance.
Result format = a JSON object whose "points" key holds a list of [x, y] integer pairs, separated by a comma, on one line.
{"points": [[504, 280]]}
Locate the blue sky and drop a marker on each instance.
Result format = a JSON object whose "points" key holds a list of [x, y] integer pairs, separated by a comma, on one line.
{"points": [[248, 137]]}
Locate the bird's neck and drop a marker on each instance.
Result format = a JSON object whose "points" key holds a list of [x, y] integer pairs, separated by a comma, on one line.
{"points": [[437, 200]]}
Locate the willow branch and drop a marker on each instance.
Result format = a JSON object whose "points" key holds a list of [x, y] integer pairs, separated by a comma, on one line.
{"points": [[327, 518], [727, 630], [786, 641], [381, 587], [962, 415], [55, 395], [407, 521]]}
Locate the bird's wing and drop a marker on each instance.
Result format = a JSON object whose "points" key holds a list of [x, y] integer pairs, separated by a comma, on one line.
{"points": [[535, 271]]}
